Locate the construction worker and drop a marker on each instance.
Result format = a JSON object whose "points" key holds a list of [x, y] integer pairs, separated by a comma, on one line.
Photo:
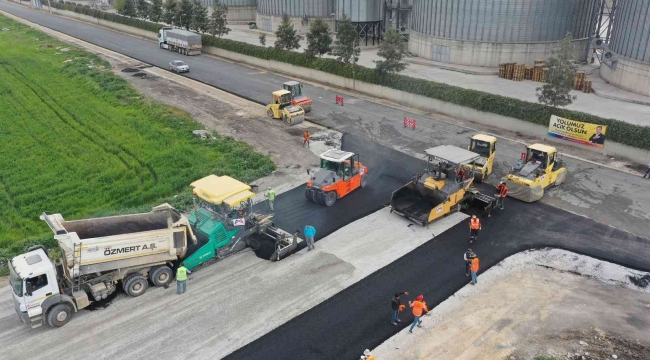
{"points": [[309, 232], [502, 190], [467, 257], [474, 227], [367, 355], [270, 194], [305, 138], [460, 174], [647, 172], [395, 305], [418, 305], [473, 267], [181, 278]]}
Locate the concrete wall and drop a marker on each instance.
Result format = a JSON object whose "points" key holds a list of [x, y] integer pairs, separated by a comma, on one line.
{"points": [[486, 54], [629, 74], [241, 13], [270, 23]]}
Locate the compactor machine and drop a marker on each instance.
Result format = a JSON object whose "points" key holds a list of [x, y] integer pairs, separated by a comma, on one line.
{"points": [[281, 108], [443, 187], [538, 169], [297, 98], [339, 174], [486, 146]]}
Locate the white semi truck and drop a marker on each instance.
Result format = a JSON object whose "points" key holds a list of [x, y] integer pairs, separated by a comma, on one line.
{"points": [[179, 40], [97, 255]]}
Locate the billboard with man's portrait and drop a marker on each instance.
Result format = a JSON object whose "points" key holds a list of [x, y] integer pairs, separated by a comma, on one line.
{"points": [[577, 131]]}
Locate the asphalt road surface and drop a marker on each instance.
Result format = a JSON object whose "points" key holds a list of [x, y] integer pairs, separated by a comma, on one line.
{"points": [[608, 196], [358, 317]]}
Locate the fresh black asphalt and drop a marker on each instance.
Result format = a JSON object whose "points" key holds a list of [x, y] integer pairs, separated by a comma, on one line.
{"points": [[357, 318]]}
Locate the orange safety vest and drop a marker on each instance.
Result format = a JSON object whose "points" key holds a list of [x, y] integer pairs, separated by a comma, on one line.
{"points": [[474, 265], [306, 136], [418, 306], [474, 224], [370, 357]]}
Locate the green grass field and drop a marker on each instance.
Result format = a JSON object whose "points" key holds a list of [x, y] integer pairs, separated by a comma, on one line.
{"points": [[80, 141]]}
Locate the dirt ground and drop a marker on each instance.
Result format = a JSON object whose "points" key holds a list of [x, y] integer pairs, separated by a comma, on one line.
{"points": [[519, 313]]}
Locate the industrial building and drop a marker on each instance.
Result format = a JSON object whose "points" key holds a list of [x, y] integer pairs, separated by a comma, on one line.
{"points": [[487, 33], [628, 66], [239, 11]]}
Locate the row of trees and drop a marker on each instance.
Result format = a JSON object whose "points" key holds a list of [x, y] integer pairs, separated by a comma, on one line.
{"points": [[346, 47], [187, 14]]}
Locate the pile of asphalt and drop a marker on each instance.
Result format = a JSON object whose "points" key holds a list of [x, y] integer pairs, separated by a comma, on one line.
{"points": [[358, 317]]}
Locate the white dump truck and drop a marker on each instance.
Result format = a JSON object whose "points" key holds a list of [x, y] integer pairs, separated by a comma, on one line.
{"points": [[97, 255], [179, 40]]}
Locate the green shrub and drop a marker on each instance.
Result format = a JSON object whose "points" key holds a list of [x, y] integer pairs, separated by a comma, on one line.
{"points": [[619, 131]]}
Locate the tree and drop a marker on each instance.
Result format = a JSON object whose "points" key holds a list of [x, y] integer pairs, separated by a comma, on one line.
{"points": [[393, 49], [169, 12], [200, 18], [319, 40], [184, 13], [559, 77], [344, 47], [263, 39], [129, 8], [119, 5], [156, 10], [218, 22], [143, 9], [287, 37]]}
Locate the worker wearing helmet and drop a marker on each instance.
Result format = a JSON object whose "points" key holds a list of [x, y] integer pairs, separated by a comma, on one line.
{"points": [[473, 267], [367, 355], [418, 305], [502, 190], [474, 227], [270, 194], [305, 138]]}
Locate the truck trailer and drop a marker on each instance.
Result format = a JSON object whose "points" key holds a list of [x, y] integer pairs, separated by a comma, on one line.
{"points": [[179, 40], [96, 256]]}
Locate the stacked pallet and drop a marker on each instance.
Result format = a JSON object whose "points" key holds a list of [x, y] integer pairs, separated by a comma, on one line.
{"points": [[586, 88], [579, 80], [502, 70], [529, 73], [518, 72], [506, 70]]}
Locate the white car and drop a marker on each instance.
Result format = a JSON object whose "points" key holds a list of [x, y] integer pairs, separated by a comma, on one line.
{"points": [[178, 66]]}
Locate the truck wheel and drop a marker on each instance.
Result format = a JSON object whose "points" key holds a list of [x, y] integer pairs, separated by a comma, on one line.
{"points": [[161, 276], [364, 180], [330, 198], [308, 194], [60, 315], [136, 285]]}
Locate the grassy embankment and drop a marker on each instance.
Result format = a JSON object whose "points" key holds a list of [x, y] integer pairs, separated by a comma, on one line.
{"points": [[80, 141]]}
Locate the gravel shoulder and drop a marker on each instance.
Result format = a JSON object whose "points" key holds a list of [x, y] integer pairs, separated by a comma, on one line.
{"points": [[542, 302]]}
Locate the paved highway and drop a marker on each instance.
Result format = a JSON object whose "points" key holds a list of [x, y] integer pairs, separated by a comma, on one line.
{"points": [[357, 318]]}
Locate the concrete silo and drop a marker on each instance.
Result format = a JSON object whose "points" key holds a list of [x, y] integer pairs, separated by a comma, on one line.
{"points": [[366, 15], [630, 41], [238, 10], [269, 13], [490, 32]]}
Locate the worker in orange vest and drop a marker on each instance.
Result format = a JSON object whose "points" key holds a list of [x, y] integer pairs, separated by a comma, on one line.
{"points": [[460, 174], [418, 305], [367, 355], [473, 267], [474, 227], [305, 138], [502, 190]]}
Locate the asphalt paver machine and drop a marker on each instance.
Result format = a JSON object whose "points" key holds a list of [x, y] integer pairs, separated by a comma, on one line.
{"points": [[441, 188]]}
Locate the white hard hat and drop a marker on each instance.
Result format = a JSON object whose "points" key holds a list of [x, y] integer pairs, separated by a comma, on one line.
{"points": [[473, 216], [367, 352]]}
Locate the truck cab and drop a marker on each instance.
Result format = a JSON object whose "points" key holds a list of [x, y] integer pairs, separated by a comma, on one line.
{"points": [[35, 288]]}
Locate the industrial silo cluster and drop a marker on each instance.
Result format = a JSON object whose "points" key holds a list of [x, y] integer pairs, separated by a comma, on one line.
{"points": [[630, 42], [478, 32]]}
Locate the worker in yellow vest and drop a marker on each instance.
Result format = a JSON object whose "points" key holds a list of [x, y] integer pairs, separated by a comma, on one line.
{"points": [[474, 227], [271, 198], [181, 278]]}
